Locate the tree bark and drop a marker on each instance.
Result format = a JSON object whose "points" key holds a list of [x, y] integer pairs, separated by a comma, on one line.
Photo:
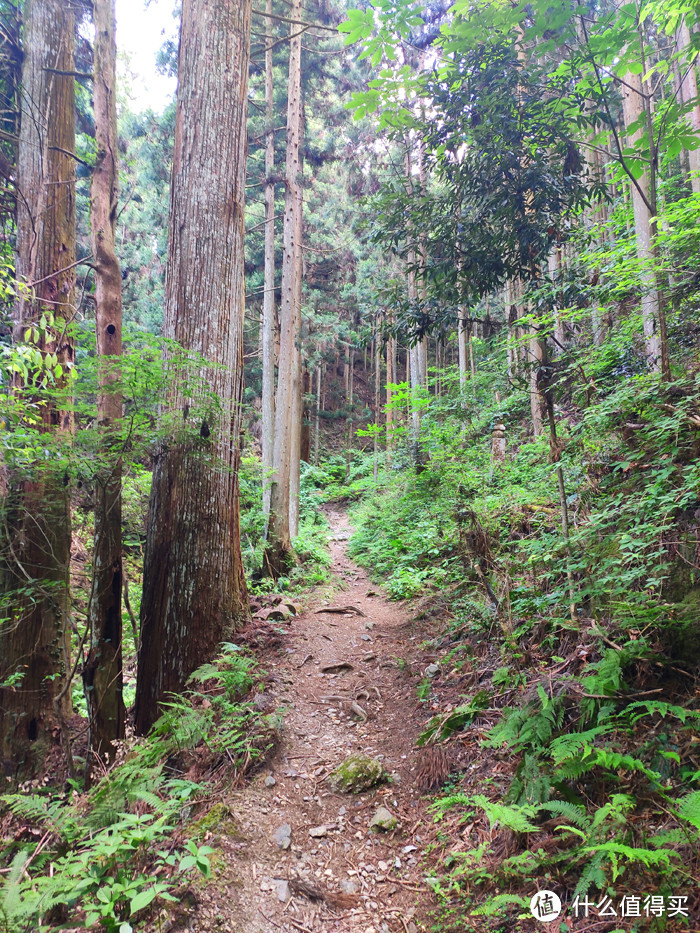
{"points": [[279, 544], [35, 554], [102, 672], [377, 400], [634, 105], [317, 421], [689, 97], [269, 322], [194, 590], [390, 380]]}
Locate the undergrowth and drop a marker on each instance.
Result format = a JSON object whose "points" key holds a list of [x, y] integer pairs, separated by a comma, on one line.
{"points": [[108, 858], [573, 732]]}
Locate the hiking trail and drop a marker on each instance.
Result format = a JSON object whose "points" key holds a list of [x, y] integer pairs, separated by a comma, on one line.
{"points": [[336, 875]]}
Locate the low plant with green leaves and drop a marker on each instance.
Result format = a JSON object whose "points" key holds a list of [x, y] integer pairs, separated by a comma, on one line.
{"points": [[105, 859]]}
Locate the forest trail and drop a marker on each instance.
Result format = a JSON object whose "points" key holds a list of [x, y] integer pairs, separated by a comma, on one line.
{"points": [[379, 873]]}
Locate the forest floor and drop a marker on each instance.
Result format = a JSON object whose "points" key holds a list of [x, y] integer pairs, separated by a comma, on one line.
{"points": [[336, 875]]}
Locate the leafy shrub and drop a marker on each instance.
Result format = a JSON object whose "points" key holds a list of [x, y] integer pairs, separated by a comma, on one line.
{"points": [[108, 857]]}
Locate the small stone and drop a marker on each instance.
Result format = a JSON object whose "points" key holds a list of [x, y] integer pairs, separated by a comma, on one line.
{"points": [[382, 866], [432, 670], [336, 667], [356, 774], [412, 928], [270, 781], [407, 849], [369, 626], [282, 836], [282, 888], [365, 638], [280, 613], [348, 886], [383, 821], [318, 832], [395, 777]]}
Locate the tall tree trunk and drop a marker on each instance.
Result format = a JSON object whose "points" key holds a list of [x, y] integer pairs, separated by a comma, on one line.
{"points": [[317, 422], [306, 390], [535, 359], [634, 106], [510, 314], [377, 356], [295, 460], [279, 544], [298, 383], [689, 97], [269, 321], [415, 350], [35, 555], [102, 673], [390, 380], [194, 592], [462, 348]]}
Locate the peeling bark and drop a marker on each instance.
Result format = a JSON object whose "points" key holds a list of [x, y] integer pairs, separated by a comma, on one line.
{"points": [[102, 673]]}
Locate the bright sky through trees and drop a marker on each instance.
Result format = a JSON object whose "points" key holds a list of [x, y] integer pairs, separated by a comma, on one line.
{"points": [[142, 28]]}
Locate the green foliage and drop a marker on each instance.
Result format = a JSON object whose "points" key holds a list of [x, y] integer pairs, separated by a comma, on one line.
{"points": [[441, 727], [594, 763], [110, 856]]}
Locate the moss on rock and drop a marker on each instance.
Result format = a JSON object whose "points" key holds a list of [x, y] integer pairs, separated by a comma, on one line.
{"points": [[219, 821], [357, 773]]}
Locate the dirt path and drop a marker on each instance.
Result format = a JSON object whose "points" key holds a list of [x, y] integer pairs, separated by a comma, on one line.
{"points": [[379, 873]]}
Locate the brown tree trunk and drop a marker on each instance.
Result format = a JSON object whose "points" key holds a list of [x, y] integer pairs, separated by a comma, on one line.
{"points": [[102, 673], [318, 410], [377, 359], [279, 541], [305, 455], [269, 321], [194, 591], [35, 552], [390, 380]]}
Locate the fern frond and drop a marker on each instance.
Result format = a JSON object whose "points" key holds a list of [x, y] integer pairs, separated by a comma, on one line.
{"points": [[575, 813], [650, 858], [519, 819], [494, 905], [45, 811], [689, 809], [592, 875]]}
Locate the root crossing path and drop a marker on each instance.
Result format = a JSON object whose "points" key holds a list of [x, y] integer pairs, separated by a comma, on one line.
{"points": [[302, 857]]}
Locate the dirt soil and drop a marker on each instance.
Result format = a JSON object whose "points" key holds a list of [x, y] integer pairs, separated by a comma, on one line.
{"points": [[259, 887]]}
